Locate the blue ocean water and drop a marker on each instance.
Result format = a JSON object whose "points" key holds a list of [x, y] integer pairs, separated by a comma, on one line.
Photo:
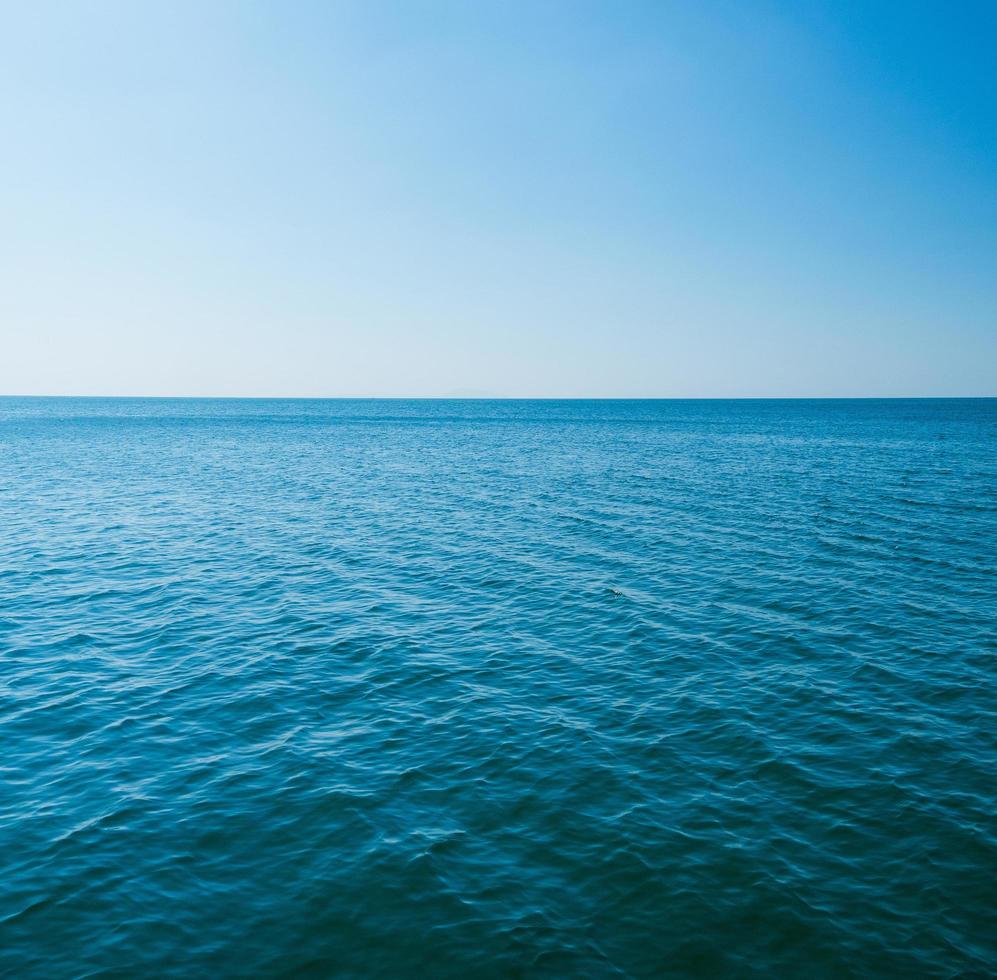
{"points": [[497, 688]]}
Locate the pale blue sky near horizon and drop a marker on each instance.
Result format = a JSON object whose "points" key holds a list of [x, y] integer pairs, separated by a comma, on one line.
{"points": [[577, 199]]}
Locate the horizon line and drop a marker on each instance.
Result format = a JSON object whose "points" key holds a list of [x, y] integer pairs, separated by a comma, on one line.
{"points": [[495, 398]]}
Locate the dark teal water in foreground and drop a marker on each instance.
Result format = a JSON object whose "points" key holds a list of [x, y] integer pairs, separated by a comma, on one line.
{"points": [[497, 689]]}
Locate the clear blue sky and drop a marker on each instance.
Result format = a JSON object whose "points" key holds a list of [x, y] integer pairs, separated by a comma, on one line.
{"points": [[560, 199]]}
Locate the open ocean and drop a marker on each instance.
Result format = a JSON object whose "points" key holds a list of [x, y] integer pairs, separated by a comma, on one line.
{"points": [[498, 688]]}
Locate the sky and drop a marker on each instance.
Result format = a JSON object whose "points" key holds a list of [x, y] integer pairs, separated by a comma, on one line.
{"points": [[535, 199]]}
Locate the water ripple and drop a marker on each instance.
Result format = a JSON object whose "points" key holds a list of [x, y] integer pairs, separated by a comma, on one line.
{"points": [[497, 688]]}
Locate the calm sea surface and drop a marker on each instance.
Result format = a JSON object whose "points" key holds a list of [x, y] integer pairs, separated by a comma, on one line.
{"points": [[498, 688]]}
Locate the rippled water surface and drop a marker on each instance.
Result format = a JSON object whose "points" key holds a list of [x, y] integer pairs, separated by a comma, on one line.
{"points": [[475, 689]]}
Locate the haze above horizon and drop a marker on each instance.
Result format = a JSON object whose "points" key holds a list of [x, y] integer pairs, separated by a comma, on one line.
{"points": [[544, 199]]}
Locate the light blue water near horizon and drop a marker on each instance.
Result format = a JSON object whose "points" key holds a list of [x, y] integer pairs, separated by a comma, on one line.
{"points": [[503, 688]]}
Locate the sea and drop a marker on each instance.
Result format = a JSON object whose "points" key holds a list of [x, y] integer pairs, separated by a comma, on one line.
{"points": [[498, 688]]}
